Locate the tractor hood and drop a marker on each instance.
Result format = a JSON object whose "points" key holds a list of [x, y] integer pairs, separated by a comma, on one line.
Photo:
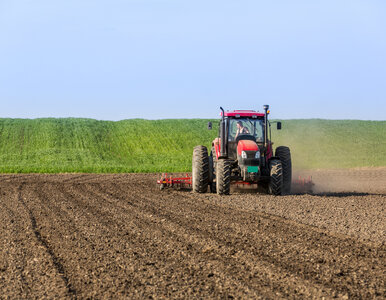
{"points": [[246, 145]]}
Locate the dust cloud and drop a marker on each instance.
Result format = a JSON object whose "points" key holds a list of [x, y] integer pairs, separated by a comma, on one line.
{"points": [[358, 180]]}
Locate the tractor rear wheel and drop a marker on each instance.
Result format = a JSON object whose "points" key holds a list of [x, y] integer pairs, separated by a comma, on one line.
{"points": [[284, 154], [200, 169], [275, 186], [223, 176]]}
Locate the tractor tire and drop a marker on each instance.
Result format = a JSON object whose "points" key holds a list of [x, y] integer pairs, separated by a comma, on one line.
{"points": [[275, 186], [284, 154], [212, 176], [223, 177], [200, 169]]}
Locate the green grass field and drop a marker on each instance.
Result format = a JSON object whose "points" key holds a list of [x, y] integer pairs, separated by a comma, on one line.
{"points": [[86, 145]]}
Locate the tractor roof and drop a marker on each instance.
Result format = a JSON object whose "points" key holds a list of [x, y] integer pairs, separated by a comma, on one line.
{"points": [[242, 113]]}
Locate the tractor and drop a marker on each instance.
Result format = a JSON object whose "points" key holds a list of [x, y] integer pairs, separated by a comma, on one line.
{"points": [[242, 154]]}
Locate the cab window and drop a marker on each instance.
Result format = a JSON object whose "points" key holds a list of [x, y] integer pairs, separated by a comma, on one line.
{"points": [[254, 127]]}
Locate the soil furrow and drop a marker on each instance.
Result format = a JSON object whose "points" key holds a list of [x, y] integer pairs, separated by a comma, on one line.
{"points": [[273, 259], [326, 246], [156, 240], [118, 236], [28, 265], [10, 237], [55, 260]]}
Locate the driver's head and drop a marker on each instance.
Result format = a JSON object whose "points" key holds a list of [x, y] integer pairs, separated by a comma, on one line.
{"points": [[239, 124]]}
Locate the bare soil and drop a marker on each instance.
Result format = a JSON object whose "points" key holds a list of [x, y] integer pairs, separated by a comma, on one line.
{"points": [[118, 236]]}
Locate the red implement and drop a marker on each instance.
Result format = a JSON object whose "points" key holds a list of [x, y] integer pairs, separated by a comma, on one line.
{"points": [[302, 185], [167, 180]]}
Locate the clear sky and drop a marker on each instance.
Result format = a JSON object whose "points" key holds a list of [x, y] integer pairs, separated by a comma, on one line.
{"points": [[120, 59]]}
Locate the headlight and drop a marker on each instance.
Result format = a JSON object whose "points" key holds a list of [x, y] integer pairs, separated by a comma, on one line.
{"points": [[243, 154], [257, 155]]}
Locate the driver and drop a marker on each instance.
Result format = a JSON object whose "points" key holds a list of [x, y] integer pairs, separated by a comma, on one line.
{"points": [[241, 129]]}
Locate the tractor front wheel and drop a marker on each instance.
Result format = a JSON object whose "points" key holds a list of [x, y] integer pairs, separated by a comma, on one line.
{"points": [[200, 169], [275, 186], [223, 177]]}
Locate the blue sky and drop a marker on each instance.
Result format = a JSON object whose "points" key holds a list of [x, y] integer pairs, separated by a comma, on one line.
{"points": [[121, 59]]}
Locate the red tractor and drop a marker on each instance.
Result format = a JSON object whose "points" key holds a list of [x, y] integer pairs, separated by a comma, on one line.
{"points": [[242, 154]]}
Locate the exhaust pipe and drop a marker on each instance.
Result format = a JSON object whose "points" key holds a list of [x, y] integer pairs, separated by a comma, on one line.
{"points": [[266, 107], [223, 150]]}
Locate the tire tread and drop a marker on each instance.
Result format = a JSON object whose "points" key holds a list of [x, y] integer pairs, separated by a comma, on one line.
{"points": [[200, 169], [223, 176], [284, 154], [275, 186]]}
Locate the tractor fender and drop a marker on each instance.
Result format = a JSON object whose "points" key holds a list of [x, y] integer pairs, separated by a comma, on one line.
{"points": [[217, 146]]}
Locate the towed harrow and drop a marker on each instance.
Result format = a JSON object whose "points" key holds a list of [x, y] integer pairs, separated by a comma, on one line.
{"points": [[174, 181]]}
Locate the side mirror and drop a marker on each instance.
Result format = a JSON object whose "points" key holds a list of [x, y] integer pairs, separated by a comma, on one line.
{"points": [[209, 125], [278, 125]]}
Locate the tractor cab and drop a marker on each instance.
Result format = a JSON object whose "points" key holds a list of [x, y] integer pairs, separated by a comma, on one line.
{"points": [[243, 125], [241, 129]]}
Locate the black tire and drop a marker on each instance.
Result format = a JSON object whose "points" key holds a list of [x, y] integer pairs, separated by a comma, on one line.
{"points": [[284, 154], [200, 169], [212, 176], [223, 177], [275, 186]]}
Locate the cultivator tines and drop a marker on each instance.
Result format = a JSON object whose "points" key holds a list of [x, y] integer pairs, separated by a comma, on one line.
{"points": [[174, 181], [302, 185]]}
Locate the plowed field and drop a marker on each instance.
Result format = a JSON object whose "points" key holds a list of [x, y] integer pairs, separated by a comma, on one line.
{"points": [[104, 236]]}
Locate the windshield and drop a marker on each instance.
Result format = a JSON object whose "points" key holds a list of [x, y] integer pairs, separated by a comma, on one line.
{"points": [[247, 126]]}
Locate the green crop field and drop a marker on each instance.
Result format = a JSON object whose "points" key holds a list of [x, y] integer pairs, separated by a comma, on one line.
{"points": [[86, 145]]}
